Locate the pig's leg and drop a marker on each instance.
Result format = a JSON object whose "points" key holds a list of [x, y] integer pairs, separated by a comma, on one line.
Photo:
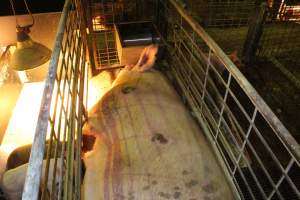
{"points": [[132, 73], [147, 59], [13, 181]]}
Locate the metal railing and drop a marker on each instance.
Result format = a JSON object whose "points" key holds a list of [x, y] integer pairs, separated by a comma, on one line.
{"points": [[260, 156], [280, 41], [58, 175], [101, 17], [281, 30]]}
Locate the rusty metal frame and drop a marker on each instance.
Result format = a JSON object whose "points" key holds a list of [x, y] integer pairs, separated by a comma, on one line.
{"points": [[191, 56], [190, 53], [62, 113]]}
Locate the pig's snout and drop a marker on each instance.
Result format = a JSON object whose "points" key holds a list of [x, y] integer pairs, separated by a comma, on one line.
{"points": [[88, 142]]}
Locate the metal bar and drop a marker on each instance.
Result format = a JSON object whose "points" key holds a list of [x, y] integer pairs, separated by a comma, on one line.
{"points": [[34, 171], [218, 119], [204, 126], [79, 132], [254, 33], [289, 142], [65, 108]]}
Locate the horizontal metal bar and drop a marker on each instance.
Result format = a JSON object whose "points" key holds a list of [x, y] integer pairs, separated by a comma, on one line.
{"points": [[288, 140]]}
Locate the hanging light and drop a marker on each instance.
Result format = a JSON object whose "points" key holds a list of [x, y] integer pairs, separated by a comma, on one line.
{"points": [[28, 54]]}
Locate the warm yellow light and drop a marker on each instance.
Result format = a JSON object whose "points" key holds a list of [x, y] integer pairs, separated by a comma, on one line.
{"points": [[99, 23], [8, 148], [5, 103], [98, 86], [22, 76], [22, 124]]}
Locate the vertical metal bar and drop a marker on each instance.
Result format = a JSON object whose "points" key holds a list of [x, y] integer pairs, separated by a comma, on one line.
{"points": [[79, 131], [34, 172], [247, 136], [275, 189], [52, 134], [223, 106], [289, 142], [254, 33], [71, 135], [206, 78], [227, 121]]}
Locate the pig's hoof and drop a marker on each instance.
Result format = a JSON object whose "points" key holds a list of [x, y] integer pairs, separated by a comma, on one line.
{"points": [[128, 89], [160, 138]]}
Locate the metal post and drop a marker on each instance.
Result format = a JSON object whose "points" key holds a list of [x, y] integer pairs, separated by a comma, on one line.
{"points": [[254, 33]]}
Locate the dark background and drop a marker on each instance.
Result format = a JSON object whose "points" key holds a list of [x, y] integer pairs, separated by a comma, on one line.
{"points": [[35, 6]]}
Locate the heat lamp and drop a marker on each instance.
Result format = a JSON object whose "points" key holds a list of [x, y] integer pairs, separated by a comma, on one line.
{"points": [[28, 54]]}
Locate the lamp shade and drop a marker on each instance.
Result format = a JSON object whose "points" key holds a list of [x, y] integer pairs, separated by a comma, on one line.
{"points": [[28, 54]]}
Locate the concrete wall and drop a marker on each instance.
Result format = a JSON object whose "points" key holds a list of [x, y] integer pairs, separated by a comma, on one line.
{"points": [[43, 31]]}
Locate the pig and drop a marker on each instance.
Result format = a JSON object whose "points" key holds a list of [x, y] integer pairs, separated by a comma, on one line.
{"points": [[147, 145], [21, 155], [13, 180], [220, 67]]}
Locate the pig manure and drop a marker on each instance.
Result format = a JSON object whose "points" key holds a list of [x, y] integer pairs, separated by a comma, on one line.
{"points": [[164, 195], [128, 89], [147, 187], [176, 188], [177, 195], [160, 138], [191, 183], [185, 172]]}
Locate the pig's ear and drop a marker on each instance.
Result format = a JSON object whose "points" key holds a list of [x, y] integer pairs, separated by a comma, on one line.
{"points": [[147, 58]]}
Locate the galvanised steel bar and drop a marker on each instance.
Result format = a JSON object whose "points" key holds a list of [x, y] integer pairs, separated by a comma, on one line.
{"points": [[236, 128], [34, 172], [264, 109], [62, 108]]}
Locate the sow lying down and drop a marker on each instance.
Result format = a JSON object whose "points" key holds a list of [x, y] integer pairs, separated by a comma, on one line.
{"points": [[147, 145]]}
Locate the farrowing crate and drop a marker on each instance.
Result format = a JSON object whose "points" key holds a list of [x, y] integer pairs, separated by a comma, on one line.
{"points": [[259, 156]]}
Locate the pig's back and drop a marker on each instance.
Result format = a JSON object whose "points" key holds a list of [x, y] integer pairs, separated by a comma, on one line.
{"points": [[152, 148]]}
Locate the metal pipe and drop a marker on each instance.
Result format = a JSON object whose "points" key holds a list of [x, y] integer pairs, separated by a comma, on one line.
{"points": [[288, 140], [34, 171]]}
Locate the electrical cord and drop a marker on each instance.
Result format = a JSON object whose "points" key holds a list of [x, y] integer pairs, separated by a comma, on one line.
{"points": [[28, 10]]}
